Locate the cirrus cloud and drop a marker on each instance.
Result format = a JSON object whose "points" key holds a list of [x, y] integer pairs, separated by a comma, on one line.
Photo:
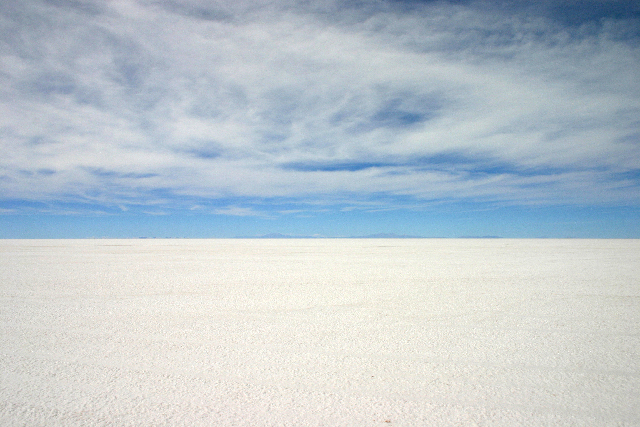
{"points": [[127, 103]]}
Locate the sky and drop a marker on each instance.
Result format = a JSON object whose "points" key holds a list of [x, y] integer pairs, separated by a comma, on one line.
{"points": [[194, 118]]}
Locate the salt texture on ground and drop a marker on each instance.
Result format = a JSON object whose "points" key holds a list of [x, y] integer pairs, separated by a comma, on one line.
{"points": [[320, 332]]}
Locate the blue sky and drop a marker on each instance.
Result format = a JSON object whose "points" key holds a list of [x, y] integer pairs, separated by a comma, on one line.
{"points": [[193, 118]]}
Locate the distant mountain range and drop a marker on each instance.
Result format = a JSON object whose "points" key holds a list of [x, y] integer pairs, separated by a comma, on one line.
{"points": [[387, 236], [369, 236], [283, 236], [295, 236]]}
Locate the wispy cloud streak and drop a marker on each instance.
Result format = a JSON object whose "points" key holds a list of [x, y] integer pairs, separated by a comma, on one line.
{"points": [[113, 103]]}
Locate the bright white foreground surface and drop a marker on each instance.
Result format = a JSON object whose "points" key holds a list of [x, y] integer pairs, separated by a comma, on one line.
{"points": [[320, 332]]}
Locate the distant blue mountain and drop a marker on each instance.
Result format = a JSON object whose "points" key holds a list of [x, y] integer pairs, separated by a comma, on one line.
{"points": [[282, 236], [387, 236], [369, 236]]}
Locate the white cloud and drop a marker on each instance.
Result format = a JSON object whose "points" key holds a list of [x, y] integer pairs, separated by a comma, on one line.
{"points": [[110, 103], [238, 211]]}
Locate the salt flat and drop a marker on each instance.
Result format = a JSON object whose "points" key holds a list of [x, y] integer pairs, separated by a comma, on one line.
{"points": [[318, 332]]}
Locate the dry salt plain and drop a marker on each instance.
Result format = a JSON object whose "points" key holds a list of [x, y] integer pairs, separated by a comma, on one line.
{"points": [[320, 332]]}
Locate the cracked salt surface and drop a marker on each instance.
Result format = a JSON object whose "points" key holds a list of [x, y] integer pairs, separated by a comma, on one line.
{"points": [[320, 332]]}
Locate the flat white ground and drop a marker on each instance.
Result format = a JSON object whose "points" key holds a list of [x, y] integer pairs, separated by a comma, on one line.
{"points": [[320, 332]]}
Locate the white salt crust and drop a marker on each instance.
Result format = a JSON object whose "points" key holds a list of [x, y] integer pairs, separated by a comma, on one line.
{"points": [[320, 332]]}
